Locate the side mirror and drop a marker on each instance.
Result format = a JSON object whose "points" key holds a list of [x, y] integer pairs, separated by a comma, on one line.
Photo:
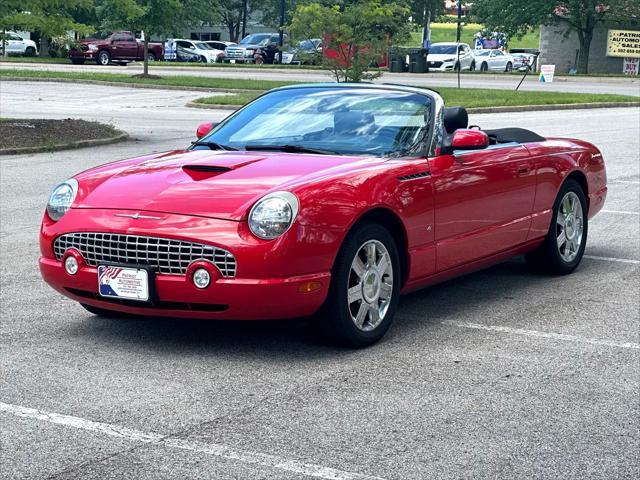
{"points": [[204, 128], [465, 139]]}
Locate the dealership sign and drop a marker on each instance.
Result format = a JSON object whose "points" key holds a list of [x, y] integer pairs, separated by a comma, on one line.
{"points": [[623, 43]]}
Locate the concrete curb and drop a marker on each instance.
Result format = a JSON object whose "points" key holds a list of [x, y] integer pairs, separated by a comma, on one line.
{"points": [[506, 109], [66, 146], [213, 107], [124, 84]]}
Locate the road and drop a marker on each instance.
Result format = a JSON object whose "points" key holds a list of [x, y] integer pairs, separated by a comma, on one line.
{"points": [[621, 86], [498, 374]]}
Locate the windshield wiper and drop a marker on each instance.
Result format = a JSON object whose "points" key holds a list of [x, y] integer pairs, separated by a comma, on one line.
{"points": [[212, 145], [289, 149]]}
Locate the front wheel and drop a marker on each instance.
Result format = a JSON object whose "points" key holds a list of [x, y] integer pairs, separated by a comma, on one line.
{"points": [[30, 52], [365, 287], [565, 242], [509, 67], [484, 67], [472, 68], [103, 58]]}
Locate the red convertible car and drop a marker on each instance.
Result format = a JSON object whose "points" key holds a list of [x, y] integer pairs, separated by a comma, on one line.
{"points": [[324, 198]]}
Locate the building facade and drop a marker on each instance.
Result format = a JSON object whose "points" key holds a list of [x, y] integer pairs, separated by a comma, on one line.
{"points": [[559, 49]]}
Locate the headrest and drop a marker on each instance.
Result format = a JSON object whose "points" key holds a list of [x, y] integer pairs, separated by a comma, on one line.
{"points": [[352, 122], [455, 118]]}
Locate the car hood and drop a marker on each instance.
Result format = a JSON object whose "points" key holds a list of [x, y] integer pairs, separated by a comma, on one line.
{"points": [[214, 184], [439, 57]]}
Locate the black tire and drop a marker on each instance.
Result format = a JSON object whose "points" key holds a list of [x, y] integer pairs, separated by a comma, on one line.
{"points": [[336, 316], [456, 67], [547, 258], [203, 59], [103, 58], [509, 67], [484, 67], [30, 52], [101, 312], [151, 57], [77, 61], [472, 68]]}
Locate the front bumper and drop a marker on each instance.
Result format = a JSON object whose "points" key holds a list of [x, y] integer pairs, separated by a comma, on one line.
{"points": [[279, 279]]}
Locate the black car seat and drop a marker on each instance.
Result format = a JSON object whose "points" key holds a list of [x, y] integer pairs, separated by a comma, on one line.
{"points": [[455, 118], [353, 123]]}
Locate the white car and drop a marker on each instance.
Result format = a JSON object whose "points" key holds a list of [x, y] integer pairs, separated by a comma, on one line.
{"points": [[444, 57], [196, 47], [16, 45], [493, 60]]}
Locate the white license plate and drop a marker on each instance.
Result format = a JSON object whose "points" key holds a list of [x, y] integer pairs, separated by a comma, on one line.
{"points": [[232, 61], [122, 282]]}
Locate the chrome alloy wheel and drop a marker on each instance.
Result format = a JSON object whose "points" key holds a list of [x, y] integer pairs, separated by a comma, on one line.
{"points": [[370, 285], [569, 227]]}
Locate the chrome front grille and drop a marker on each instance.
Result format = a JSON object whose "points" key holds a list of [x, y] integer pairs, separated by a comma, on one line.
{"points": [[163, 254]]}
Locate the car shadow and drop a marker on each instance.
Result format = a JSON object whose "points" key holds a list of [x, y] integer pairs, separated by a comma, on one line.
{"points": [[298, 338]]}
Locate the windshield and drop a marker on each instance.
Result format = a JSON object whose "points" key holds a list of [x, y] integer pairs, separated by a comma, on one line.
{"points": [[443, 50], [307, 45], [349, 121], [255, 39]]}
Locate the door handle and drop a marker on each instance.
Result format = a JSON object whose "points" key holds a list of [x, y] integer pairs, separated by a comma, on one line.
{"points": [[523, 170]]}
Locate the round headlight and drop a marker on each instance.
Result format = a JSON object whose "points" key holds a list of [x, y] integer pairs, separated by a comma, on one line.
{"points": [[61, 199], [273, 215]]}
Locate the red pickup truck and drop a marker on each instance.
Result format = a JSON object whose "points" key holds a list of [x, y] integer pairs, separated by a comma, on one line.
{"points": [[119, 47]]}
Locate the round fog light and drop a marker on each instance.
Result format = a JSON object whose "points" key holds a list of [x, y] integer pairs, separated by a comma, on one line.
{"points": [[71, 265], [201, 278]]}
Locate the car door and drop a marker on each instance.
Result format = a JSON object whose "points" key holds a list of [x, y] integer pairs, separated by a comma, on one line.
{"points": [[483, 202], [15, 44], [465, 57], [124, 45], [501, 60]]}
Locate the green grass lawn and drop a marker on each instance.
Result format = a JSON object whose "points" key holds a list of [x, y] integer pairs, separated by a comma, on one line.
{"points": [[177, 80], [472, 98], [446, 32], [468, 97]]}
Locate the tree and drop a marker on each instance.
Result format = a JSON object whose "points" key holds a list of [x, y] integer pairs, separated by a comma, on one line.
{"points": [[515, 17], [49, 17], [230, 12], [153, 17], [355, 34]]}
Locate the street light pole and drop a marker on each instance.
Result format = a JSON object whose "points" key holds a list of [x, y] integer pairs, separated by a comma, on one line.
{"points": [[281, 37], [458, 35], [244, 18]]}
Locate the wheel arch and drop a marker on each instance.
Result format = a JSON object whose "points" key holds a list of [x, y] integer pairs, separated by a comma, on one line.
{"points": [[391, 221], [581, 178]]}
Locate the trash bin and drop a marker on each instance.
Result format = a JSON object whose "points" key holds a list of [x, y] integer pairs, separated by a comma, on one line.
{"points": [[417, 60], [396, 60]]}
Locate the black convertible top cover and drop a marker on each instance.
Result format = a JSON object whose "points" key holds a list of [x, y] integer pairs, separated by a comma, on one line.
{"points": [[518, 135]]}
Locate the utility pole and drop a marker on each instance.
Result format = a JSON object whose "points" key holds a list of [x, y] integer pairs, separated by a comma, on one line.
{"points": [[426, 26], [244, 18], [281, 38]]}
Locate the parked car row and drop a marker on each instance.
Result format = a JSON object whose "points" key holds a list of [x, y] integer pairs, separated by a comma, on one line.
{"points": [[447, 56]]}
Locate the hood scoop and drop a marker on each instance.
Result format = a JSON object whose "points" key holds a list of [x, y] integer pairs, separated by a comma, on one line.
{"points": [[203, 172]]}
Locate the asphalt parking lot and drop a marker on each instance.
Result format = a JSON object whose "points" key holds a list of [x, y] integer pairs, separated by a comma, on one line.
{"points": [[497, 374]]}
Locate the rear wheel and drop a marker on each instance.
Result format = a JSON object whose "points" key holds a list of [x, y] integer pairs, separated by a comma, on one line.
{"points": [[472, 68], [151, 57], [565, 242], [103, 58], [203, 59], [30, 52], [509, 67], [484, 67], [365, 287]]}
